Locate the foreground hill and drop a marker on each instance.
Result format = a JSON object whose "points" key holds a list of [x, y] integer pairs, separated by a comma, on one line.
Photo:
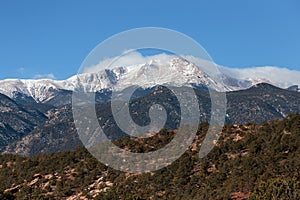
{"points": [[249, 161]]}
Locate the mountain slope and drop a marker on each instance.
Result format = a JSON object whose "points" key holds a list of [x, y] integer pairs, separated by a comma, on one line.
{"points": [[16, 120], [260, 103], [257, 161], [257, 104], [56, 134]]}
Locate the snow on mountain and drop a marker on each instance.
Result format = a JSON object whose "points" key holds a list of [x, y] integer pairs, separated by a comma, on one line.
{"points": [[174, 71], [92, 82], [280, 77], [154, 70], [44, 89], [38, 89]]}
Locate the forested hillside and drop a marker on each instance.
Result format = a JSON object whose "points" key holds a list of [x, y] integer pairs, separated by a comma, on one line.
{"points": [[249, 161]]}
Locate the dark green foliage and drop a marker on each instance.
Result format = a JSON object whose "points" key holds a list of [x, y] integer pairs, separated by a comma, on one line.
{"points": [[6, 196], [277, 188], [254, 160]]}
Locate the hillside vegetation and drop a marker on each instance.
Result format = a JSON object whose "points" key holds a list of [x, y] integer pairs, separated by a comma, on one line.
{"points": [[249, 161]]}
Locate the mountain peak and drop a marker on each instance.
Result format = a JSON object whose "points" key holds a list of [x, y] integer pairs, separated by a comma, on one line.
{"points": [[157, 70]]}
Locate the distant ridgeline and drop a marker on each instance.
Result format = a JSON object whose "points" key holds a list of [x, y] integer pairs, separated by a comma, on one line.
{"points": [[294, 88], [28, 127]]}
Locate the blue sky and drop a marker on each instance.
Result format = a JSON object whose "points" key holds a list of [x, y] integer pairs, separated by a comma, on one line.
{"points": [[39, 38]]}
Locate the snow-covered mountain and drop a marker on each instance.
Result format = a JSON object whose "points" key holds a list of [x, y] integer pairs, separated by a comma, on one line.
{"points": [[158, 70], [39, 90]]}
